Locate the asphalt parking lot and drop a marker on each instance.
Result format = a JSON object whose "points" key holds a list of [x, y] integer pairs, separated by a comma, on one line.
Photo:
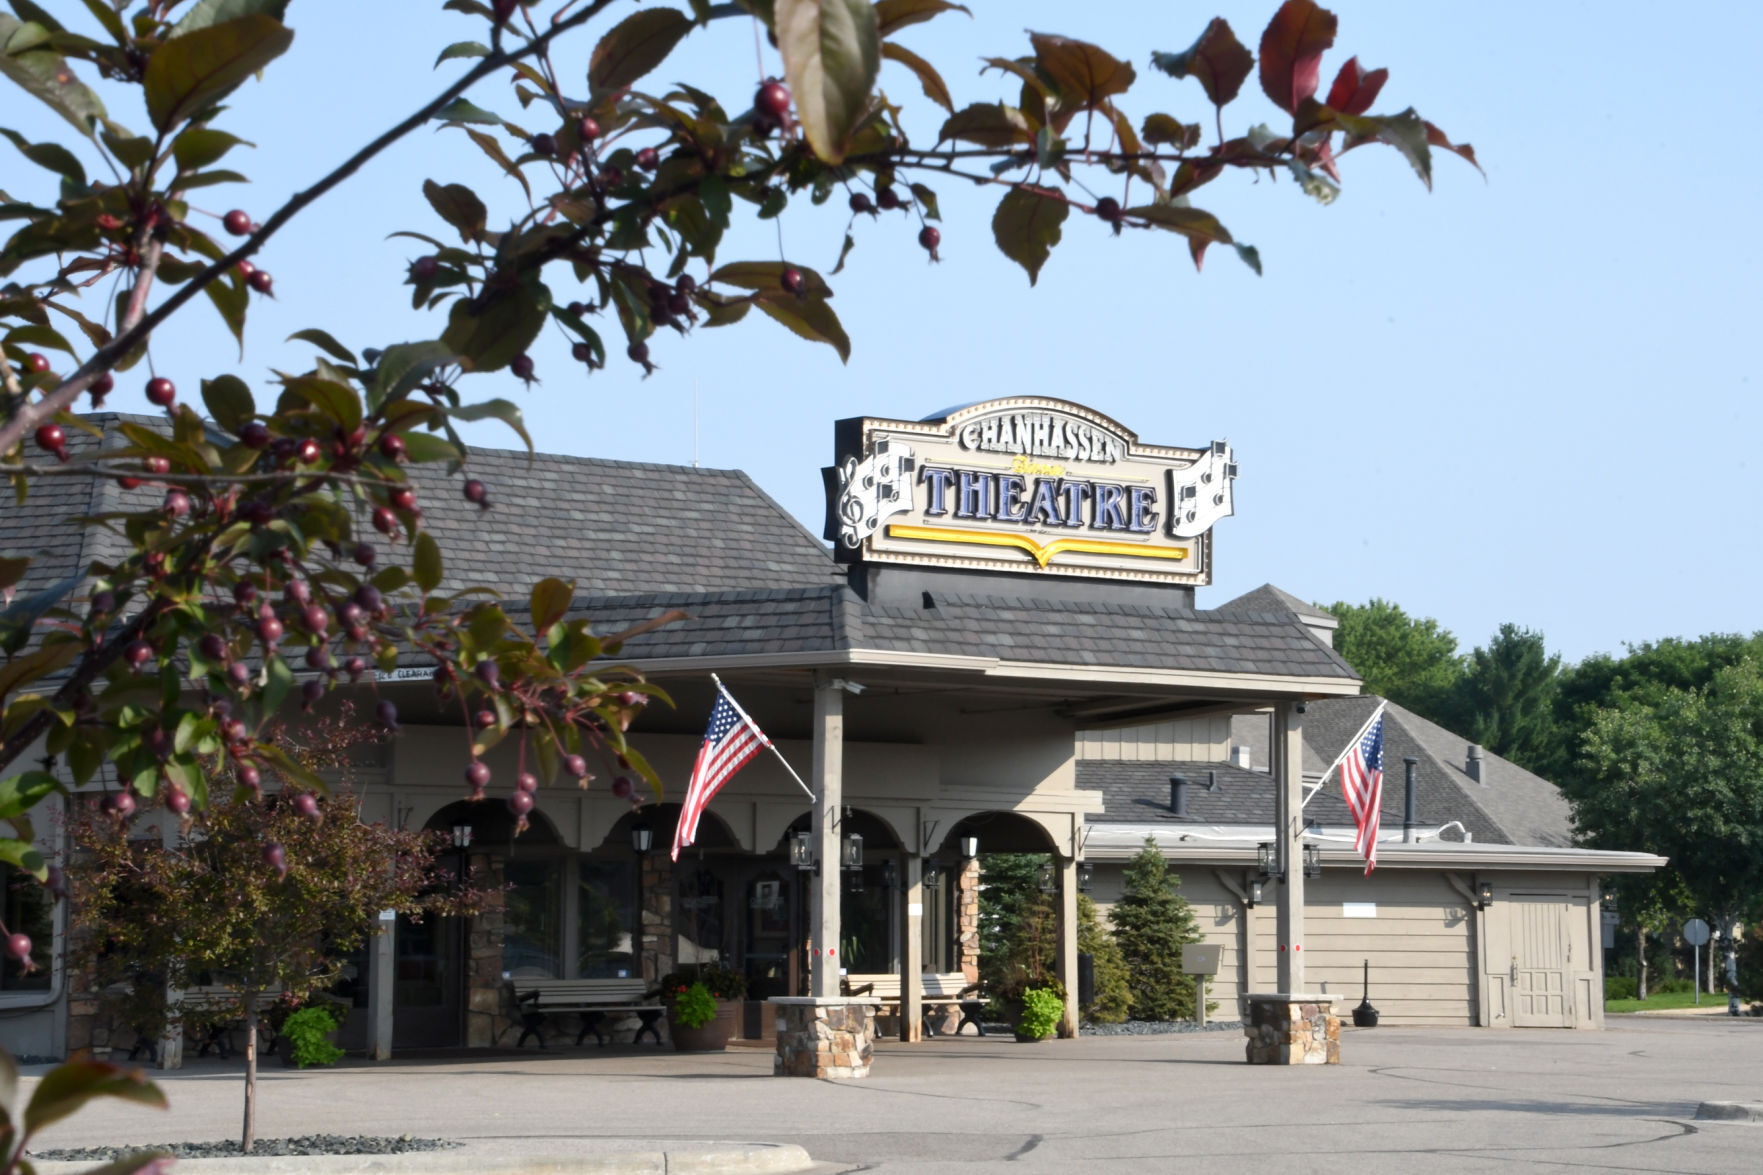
{"points": [[1403, 1099]]}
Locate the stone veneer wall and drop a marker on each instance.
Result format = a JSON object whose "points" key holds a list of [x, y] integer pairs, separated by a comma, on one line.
{"points": [[833, 1040], [967, 919], [1292, 1032], [487, 1021], [657, 916]]}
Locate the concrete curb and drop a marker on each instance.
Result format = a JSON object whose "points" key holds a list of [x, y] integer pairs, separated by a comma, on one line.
{"points": [[1730, 1111], [745, 1158]]}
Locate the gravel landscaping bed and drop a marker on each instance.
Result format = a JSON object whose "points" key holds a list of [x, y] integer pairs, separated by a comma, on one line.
{"points": [[1159, 1027], [306, 1144]]}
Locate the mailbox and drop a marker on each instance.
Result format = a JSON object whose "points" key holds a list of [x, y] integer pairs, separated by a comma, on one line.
{"points": [[1200, 958]]}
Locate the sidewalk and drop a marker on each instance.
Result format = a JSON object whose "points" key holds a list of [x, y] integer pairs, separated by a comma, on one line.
{"points": [[1467, 1100]]}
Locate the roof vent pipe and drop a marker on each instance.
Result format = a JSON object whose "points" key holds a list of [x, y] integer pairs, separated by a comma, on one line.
{"points": [[1474, 766], [1408, 818], [1178, 795], [1211, 781]]}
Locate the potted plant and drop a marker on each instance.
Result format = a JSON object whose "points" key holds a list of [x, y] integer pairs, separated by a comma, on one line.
{"points": [[1042, 1009], [726, 987], [308, 1032], [692, 1020]]}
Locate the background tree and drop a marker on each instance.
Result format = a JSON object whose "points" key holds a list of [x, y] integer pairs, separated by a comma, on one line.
{"points": [[1152, 922], [1113, 1002], [1505, 699], [1679, 772], [1411, 661], [247, 534], [1018, 926], [269, 895]]}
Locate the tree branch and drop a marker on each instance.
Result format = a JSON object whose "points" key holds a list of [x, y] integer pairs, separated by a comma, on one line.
{"points": [[62, 397]]}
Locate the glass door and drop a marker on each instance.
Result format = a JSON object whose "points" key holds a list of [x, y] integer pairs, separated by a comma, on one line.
{"points": [[428, 985]]}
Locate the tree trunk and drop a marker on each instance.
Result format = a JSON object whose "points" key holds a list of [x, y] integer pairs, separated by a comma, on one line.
{"points": [[1730, 939], [250, 1131], [1640, 952]]}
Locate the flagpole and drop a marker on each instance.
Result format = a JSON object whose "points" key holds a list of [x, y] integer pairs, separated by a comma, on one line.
{"points": [[768, 743], [1342, 757]]}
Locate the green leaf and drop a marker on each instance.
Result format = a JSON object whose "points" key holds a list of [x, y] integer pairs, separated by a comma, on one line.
{"points": [[68, 1087], [498, 409], [809, 317], [463, 49], [22, 854], [1251, 256], [1160, 129], [232, 298], [489, 338], [927, 200], [191, 72], [426, 562], [769, 276], [403, 366], [989, 124], [198, 146], [832, 53], [53, 156], [893, 15], [109, 18], [229, 402], [21, 793], [326, 343], [46, 76], [425, 448], [459, 110], [459, 206], [493, 149], [1217, 60], [934, 87], [1189, 222], [212, 12], [1027, 226], [278, 680], [550, 600], [634, 46], [336, 401], [1406, 132], [1291, 52], [31, 334], [1085, 74]]}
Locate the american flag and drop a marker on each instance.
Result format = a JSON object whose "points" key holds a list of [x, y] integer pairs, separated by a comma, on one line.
{"points": [[729, 745], [1362, 784]]}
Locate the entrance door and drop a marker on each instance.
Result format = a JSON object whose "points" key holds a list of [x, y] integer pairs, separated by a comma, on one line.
{"points": [[1542, 962], [428, 986]]}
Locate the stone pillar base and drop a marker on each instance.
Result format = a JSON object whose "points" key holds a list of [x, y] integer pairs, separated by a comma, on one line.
{"points": [[831, 1039], [1285, 1028]]}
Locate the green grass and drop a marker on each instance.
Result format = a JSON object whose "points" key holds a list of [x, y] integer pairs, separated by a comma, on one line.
{"points": [[1676, 999]]}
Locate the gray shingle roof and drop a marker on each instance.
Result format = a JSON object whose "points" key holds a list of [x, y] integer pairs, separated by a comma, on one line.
{"points": [[1268, 598], [1138, 793], [1511, 807]]}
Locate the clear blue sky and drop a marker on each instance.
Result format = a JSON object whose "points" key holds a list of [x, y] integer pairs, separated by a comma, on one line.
{"points": [[1525, 399]]}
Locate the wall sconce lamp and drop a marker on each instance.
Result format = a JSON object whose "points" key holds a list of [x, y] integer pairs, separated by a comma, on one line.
{"points": [[1312, 860], [1484, 894], [969, 847], [891, 874], [1086, 873], [1264, 860], [642, 839], [1048, 885], [462, 836], [853, 863], [933, 875], [802, 850], [1253, 897]]}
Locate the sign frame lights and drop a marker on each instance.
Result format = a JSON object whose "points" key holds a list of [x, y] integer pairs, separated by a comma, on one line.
{"points": [[1026, 484]]}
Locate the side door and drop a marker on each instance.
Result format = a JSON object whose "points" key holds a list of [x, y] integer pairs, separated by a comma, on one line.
{"points": [[1542, 961]]}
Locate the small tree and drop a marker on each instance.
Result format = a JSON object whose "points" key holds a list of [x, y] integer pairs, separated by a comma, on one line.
{"points": [[271, 894], [1113, 995], [1018, 926], [1152, 922]]}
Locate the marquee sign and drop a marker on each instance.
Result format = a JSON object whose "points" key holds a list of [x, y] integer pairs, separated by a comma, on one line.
{"points": [[1026, 484]]}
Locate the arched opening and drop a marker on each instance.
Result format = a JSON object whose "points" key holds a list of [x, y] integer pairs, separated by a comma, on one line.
{"points": [[1004, 867], [872, 923]]}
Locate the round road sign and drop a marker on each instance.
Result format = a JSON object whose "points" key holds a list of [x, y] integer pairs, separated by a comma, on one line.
{"points": [[1695, 932]]}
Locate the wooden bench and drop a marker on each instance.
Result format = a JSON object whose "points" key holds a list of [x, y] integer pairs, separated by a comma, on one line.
{"points": [[939, 989], [591, 999]]}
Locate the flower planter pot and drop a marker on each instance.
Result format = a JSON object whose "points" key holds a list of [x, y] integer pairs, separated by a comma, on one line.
{"points": [[706, 1038]]}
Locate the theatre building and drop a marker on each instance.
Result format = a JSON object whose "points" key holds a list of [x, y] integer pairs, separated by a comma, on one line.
{"points": [[994, 646]]}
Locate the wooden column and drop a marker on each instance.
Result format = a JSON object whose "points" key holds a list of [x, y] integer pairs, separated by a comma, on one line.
{"points": [[1068, 943], [380, 964], [1288, 777], [912, 956], [827, 781]]}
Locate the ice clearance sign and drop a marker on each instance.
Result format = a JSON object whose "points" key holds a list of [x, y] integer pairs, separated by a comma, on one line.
{"points": [[1028, 485]]}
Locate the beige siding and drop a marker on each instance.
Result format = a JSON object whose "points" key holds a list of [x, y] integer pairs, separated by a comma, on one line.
{"points": [[1189, 739], [1420, 945]]}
